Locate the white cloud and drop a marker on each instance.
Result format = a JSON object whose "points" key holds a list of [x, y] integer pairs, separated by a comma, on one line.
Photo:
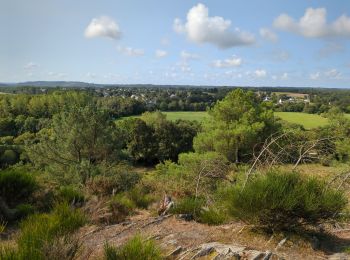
{"points": [[332, 74], [260, 73], [315, 76], [189, 56], [129, 51], [328, 74], [161, 53], [314, 24], [103, 26], [31, 65], [268, 34], [231, 62], [201, 28]]}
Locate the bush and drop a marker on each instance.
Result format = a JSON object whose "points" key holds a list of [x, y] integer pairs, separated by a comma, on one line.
{"points": [[212, 216], [70, 194], [140, 196], [121, 207], [23, 210], [285, 201], [40, 230], [119, 182], [135, 249], [16, 186], [189, 205], [9, 157]]}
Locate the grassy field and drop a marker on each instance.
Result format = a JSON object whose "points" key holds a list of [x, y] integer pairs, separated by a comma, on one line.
{"points": [[309, 121], [199, 116]]}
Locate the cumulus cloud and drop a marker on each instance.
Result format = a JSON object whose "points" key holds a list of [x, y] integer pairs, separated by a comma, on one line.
{"points": [[129, 51], [260, 73], [188, 56], [315, 75], [31, 65], [103, 26], [226, 63], [314, 24], [268, 34], [201, 28], [161, 53]]}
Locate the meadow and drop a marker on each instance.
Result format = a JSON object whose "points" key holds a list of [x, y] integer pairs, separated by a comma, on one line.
{"points": [[309, 121]]}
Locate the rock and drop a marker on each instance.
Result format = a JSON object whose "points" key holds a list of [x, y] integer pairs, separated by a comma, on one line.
{"points": [[223, 251], [218, 251], [186, 217], [175, 252], [339, 256]]}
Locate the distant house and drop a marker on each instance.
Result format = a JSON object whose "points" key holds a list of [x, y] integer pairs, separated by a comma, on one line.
{"points": [[266, 99]]}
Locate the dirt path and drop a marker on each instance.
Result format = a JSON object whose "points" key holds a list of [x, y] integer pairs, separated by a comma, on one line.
{"points": [[173, 234]]}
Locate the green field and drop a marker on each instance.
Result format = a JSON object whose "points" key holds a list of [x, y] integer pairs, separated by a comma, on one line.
{"points": [[199, 116], [309, 121]]}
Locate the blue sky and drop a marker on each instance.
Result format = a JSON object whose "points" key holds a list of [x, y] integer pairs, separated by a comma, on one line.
{"points": [[246, 43]]}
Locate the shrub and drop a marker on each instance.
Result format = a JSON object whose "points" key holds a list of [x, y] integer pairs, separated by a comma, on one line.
{"points": [[189, 205], [135, 249], [212, 216], [23, 210], [16, 186], [9, 157], [70, 194], [286, 201], [140, 196], [119, 182], [40, 230], [121, 207], [8, 253]]}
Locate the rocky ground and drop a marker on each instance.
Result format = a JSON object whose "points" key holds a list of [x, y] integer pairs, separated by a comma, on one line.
{"points": [[180, 239]]}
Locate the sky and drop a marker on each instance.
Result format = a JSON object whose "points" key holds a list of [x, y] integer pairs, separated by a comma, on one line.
{"points": [[300, 43]]}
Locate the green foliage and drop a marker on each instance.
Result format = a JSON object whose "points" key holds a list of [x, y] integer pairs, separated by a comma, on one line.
{"points": [[285, 201], [140, 196], [212, 216], [9, 253], [16, 186], [196, 207], [23, 210], [70, 194], [121, 207], [2, 227], [237, 124], [153, 138], [39, 230], [194, 175], [8, 157], [136, 248], [119, 178], [189, 205], [80, 139]]}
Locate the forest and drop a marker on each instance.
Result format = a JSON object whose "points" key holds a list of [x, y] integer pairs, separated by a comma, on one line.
{"points": [[73, 159]]}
